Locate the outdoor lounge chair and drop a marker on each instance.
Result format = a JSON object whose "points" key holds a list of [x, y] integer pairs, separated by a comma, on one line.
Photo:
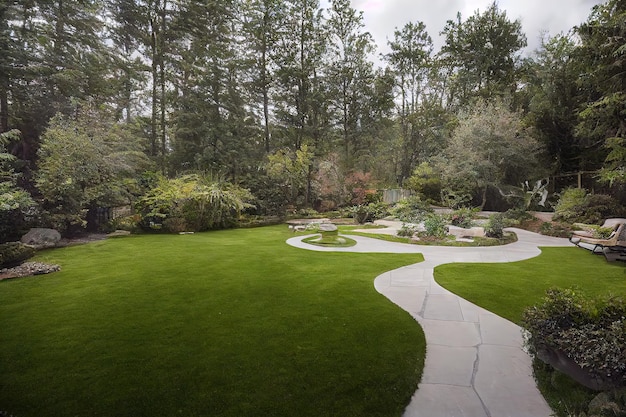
{"points": [[613, 247]]}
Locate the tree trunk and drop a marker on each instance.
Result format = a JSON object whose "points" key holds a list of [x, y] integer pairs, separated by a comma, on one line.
{"points": [[4, 103], [484, 198], [265, 87], [154, 109], [162, 84]]}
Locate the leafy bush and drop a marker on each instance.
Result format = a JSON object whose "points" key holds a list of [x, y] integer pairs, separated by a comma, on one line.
{"points": [[519, 214], [14, 253], [200, 202], [463, 217], [307, 213], [556, 229], [607, 404], [590, 332], [17, 210], [175, 225], [577, 206], [407, 230], [411, 210], [495, 226], [370, 212], [426, 182], [435, 225], [128, 223]]}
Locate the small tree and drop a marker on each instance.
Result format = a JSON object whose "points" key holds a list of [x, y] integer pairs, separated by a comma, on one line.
{"points": [[490, 147], [426, 182], [83, 163], [291, 170]]}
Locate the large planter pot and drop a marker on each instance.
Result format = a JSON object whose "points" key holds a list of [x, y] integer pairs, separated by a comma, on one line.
{"points": [[563, 363]]}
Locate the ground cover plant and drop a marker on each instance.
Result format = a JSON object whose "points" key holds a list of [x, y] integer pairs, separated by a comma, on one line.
{"points": [[228, 323], [510, 288]]}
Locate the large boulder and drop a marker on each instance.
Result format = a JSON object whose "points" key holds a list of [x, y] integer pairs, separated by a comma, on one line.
{"points": [[41, 238]]}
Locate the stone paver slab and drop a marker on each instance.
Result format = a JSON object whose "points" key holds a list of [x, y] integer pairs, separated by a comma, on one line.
{"points": [[443, 307], [450, 365], [495, 330], [433, 400], [450, 333], [409, 299], [505, 384]]}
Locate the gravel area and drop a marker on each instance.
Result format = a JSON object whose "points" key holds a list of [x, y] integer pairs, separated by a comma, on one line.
{"points": [[27, 269]]}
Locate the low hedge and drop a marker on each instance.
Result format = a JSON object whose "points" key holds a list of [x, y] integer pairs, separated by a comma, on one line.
{"points": [[584, 338]]}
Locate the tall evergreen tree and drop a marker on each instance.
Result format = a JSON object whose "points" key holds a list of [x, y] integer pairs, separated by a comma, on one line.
{"points": [[555, 98], [603, 121], [482, 55], [350, 75], [262, 22], [410, 59]]}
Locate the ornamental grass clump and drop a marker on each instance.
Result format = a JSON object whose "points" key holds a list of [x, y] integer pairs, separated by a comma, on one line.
{"points": [[582, 337]]}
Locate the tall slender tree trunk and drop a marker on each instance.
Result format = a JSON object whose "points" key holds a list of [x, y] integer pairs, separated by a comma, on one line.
{"points": [[162, 84], [4, 103], [266, 104], [154, 109]]}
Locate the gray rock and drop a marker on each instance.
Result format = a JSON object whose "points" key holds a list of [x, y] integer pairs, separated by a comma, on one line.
{"points": [[327, 227], [41, 238]]}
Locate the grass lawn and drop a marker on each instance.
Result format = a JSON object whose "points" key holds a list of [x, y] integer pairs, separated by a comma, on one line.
{"points": [[229, 323], [508, 289]]}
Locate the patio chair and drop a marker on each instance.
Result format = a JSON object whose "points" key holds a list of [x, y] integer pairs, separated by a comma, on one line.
{"points": [[613, 247]]}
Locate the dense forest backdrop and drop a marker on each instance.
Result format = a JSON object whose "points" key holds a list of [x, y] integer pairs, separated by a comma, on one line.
{"points": [[280, 101]]}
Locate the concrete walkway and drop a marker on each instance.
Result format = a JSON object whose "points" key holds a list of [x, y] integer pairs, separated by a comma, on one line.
{"points": [[475, 364]]}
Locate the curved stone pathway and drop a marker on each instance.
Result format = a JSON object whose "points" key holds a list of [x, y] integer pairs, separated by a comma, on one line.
{"points": [[475, 364]]}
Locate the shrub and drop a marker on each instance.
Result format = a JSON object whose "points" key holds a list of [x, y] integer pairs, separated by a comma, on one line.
{"points": [[435, 225], [576, 205], [17, 211], [411, 210], [407, 230], [175, 225], [607, 404], [426, 182], [369, 212], [128, 223], [463, 217], [590, 332], [201, 202], [495, 225], [307, 213], [519, 214], [14, 253]]}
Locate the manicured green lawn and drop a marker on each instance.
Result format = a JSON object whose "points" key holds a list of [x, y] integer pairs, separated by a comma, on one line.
{"points": [[508, 288], [230, 323]]}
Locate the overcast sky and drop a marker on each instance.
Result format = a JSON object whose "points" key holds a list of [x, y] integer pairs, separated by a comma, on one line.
{"points": [[381, 17]]}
